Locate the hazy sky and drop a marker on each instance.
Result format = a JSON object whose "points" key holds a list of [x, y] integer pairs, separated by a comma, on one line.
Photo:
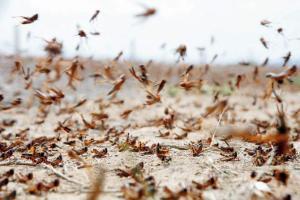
{"points": [[235, 25]]}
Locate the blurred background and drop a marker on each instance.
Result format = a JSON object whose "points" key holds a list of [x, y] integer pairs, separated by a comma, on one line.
{"points": [[229, 28]]}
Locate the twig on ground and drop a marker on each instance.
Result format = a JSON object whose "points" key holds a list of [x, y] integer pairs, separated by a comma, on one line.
{"points": [[215, 130], [61, 175]]}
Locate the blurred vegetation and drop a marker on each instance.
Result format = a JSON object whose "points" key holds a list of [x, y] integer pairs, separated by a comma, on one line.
{"points": [[296, 80], [173, 91], [224, 90]]}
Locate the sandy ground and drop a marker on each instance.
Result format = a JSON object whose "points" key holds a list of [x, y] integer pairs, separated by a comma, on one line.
{"points": [[233, 176]]}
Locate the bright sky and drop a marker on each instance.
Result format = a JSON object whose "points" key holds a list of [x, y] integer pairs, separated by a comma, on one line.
{"points": [[235, 25]]}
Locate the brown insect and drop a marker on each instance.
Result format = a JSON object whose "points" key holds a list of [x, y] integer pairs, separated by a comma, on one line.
{"points": [[266, 61], [255, 73], [21, 178], [279, 138], [43, 187], [89, 125], [15, 103], [53, 47], [8, 122], [281, 175], [188, 70], [286, 74], [164, 134], [196, 148], [181, 194], [135, 172], [17, 67], [42, 69], [230, 156], [189, 84], [62, 127], [265, 22], [10, 195], [142, 188], [180, 137], [99, 116], [147, 13], [3, 182], [99, 154], [29, 20], [169, 119], [118, 56], [239, 79], [142, 77], [108, 73], [152, 97], [161, 86], [8, 173], [96, 76], [94, 16], [214, 58], [117, 85], [162, 153], [80, 103], [79, 151], [286, 58], [264, 42], [125, 114], [58, 161], [73, 73], [244, 63], [54, 96], [217, 108], [212, 182], [280, 30], [181, 50], [82, 33], [73, 155], [260, 157]]}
